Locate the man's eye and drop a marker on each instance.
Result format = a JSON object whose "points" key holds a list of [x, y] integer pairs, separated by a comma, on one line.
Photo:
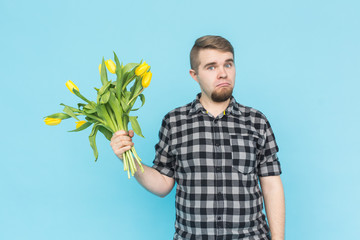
{"points": [[228, 65], [211, 68]]}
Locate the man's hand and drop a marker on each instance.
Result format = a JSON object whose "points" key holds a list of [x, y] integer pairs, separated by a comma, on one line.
{"points": [[274, 205], [121, 142], [150, 179]]}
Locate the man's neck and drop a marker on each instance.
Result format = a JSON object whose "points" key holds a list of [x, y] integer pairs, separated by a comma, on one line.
{"points": [[215, 108]]}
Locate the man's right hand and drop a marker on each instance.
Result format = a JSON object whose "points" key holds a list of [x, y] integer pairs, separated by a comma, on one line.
{"points": [[121, 142]]}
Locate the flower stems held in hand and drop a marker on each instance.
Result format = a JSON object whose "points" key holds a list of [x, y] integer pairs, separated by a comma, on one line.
{"points": [[111, 110]]}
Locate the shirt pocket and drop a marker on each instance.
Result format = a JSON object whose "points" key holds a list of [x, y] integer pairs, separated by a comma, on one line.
{"points": [[244, 150]]}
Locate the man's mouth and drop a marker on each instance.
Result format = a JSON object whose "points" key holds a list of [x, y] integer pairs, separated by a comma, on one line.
{"points": [[223, 85]]}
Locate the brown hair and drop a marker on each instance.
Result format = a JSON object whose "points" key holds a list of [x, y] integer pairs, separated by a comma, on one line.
{"points": [[208, 42]]}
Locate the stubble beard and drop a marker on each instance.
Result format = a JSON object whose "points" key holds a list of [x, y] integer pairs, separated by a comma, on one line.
{"points": [[222, 94]]}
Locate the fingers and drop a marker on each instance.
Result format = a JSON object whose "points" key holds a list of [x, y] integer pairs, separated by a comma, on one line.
{"points": [[121, 142]]}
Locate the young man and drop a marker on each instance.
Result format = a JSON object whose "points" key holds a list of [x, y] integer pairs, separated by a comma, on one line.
{"points": [[216, 150]]}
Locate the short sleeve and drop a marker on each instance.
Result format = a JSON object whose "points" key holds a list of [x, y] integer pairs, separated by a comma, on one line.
{"points": [[164, 161], [269, 164]]}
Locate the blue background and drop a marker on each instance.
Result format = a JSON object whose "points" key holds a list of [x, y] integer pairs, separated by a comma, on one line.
{"points": [[297, 61]]}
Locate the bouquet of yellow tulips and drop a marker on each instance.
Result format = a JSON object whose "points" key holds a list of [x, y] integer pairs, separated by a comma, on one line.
{"points": [[110, 112]]}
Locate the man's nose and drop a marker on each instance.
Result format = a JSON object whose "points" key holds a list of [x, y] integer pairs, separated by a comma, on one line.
{"points": [[222, 72]]}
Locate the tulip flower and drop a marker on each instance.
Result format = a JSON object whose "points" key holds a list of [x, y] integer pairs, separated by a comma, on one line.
{"points": [[52, 121], [145, 82], [80, 123], [70, 85], [111, 110], [110, 65], [142, 68]]}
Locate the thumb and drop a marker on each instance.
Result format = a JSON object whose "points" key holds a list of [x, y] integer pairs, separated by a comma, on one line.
{"points": [[131, 133]]}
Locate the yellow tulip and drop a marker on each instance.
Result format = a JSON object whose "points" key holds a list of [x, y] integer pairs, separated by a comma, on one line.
{"points": [[141, 69], [100, 68], [80, 123], [52, 121], [145, 82], [110, 65], [142, 75], [70, 85]]}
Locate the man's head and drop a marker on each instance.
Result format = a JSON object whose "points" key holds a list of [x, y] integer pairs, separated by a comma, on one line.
{"points": [[208, 42], [212, 66]]}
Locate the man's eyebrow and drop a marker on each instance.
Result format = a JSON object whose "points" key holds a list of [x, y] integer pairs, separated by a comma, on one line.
{"points": [[209, 64], [229, 60]]}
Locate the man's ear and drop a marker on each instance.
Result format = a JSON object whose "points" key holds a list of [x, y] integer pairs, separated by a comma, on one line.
{"points": [[193, 74]]}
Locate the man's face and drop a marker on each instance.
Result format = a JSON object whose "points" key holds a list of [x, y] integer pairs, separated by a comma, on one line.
{"points": [[215, 74]]}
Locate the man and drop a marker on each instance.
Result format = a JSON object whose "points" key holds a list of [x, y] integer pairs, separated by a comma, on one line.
{"points": [[216, 150]]}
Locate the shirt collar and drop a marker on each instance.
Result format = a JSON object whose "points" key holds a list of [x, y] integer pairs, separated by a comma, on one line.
{"points": [[197, 107]]}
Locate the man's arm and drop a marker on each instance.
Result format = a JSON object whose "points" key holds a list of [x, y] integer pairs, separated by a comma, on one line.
{"points": [[154, 181], [273, 192], [150, 179]]}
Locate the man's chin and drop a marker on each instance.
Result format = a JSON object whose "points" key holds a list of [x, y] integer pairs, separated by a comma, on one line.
{"points": [[222, 94]]}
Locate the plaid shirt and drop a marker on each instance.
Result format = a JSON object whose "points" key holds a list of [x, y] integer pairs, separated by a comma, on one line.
{"points": [[216, 162]]}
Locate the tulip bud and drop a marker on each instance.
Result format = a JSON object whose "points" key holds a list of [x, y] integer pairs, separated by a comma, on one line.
{"points": [[110, 65], [70, 85], [80, 123], [145, 82], [141, 69], [52, 121], [100, 68]]}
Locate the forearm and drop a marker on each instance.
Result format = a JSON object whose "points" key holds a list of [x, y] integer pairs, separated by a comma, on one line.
{"points": [[275, 210], [154, 181]]}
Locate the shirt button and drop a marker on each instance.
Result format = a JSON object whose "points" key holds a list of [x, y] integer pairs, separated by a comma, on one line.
{"points": [[218, 169], [218, 218], [217, 144]]}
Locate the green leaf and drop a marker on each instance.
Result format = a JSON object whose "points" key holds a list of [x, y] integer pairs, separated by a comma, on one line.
{"points": [[59, 116], [125, 100], [91, 120], [104, 88], [106, 132], [136, 87], [89, 111], [142, 98], [72, 108], [103, 74], [77, 93], [89, 106], [129, 66], [82, 127], [115, 105], [92, 140], [68, 111], [135, 126], [81, 105], [103, 114], [105, 97], [119, 76], [125, 121], [128, 79]]}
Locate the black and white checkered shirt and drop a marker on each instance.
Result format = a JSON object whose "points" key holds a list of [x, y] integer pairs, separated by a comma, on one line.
{"points": [[216, 162]]}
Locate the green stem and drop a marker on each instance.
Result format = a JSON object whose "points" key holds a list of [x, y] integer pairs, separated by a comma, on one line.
{"points": [[132, 78], [131, 163], [101, 109], [96, 118], [136, 96], [112, 118], [125, 162], [137, 158]]}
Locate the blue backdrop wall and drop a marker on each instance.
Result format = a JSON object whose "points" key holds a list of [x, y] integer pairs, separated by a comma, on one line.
{"points": [[297, 61]]}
